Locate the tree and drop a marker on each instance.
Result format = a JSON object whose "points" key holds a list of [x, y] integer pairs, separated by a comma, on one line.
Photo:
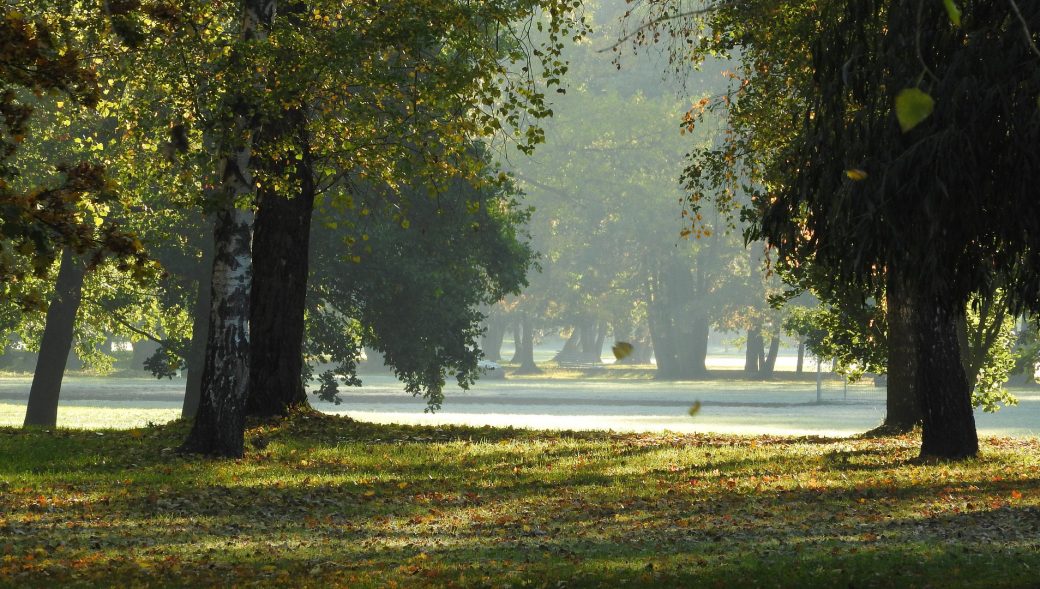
{"points": [[880, 194], [376, 85], [413, 291]]}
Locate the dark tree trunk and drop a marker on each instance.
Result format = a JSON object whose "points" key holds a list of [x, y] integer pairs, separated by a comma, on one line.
{"points": [[769, 365], [491, 342], [42, 409], [571, 351], [903, 407], [527, 365], [219, 427], [948, 421], [754, 352], [281, 241], [517, 344], [592, 338], [199, 334], [801, 355], [695, 365]]}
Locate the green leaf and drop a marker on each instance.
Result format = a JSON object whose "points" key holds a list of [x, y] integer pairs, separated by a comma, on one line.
{"points": [[912, 107], [954, 11]]}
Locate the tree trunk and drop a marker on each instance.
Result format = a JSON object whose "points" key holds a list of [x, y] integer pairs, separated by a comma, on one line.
{"points": [[571, 350], [754, 352], [695, 365], [220, 422], [801, 355], [219, 427], [281, 242], [527, 365], [903, 407], [491, 342], [517, 344], [42, 408], [948, 421], [199, 334], [769, 365]]}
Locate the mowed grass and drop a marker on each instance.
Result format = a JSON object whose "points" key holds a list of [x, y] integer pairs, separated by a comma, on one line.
{"points": [[325, 501]]}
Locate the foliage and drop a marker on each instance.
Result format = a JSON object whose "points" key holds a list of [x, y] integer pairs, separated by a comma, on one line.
{"points": [[412, 289], [322, 501]]}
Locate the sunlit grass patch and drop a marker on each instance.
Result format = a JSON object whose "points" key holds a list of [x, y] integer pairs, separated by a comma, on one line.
{"points": [[98, 414], [326, 501]]}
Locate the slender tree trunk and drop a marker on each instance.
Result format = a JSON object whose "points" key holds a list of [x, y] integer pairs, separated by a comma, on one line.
{"points": [[281, 242], [517, 344], [527, 365], [220, 422], [42, 409], [801, 355], [754, 351], [769, 365], [199, 333], [903, 407], [948, 421]]}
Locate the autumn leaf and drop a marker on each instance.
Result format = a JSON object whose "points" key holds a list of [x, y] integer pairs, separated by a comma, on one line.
{"points": [[622, 350], [913, 106]]}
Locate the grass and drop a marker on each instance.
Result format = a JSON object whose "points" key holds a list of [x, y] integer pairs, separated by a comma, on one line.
{"points": [[325, 501]]}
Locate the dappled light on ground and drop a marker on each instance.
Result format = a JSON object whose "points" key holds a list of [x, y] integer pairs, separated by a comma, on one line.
{"points": [[325, 501]]}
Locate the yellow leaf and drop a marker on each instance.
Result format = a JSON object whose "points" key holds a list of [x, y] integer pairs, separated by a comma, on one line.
{"points": [[912, 107], [856, 174], [695, 408]]}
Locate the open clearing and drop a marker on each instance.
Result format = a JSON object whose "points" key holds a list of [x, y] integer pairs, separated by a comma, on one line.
{"points": [[727, 406]]}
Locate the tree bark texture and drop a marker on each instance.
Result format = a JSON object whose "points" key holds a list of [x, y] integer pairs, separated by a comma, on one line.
{"points": [[220, 422], [281, 243], [491, 341], [527, 365], [42, 409], [219, 427], [903, 407], [948, 429], [199, 334]]}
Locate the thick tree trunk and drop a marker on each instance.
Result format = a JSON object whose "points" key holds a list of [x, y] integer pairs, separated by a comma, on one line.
{"points": [[754, 351], [199, 334], [491, 342], [693, 351], [281, 242], [220, 422], [527, 365], [42, 409], [903, 407], [948, 421], [571, 351]]}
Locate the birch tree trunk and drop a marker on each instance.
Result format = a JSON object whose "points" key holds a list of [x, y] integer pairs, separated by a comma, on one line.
{"points": [[219, 427]]}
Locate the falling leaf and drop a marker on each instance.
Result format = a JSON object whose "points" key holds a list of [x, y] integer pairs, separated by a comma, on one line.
{"points": [[622, 350], [856, 174], [912, 107], [1016, 495], [695, 408]]}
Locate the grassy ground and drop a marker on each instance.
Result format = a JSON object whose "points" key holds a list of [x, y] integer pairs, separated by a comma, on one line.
{"points": [[325, 501]]}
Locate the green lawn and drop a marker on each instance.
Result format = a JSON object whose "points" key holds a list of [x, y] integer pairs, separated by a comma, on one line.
{"points": [[325, 501]]}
